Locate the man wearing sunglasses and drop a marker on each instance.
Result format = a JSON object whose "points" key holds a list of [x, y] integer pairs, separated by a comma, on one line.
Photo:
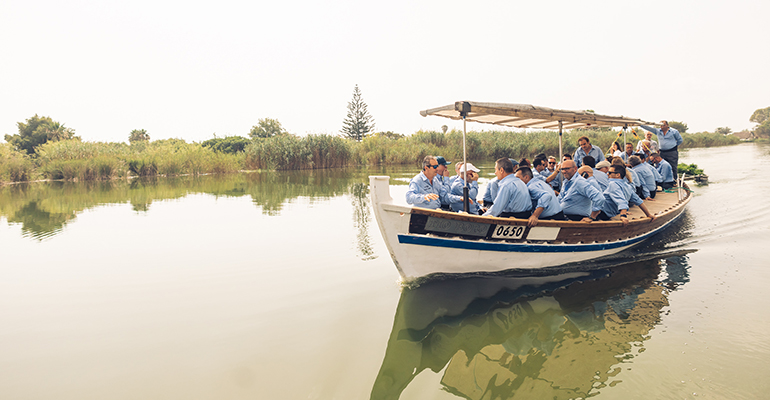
{"points": [[424, 189]]}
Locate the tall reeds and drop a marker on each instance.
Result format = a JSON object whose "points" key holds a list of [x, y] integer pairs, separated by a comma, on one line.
{"points": [[15, 166]]}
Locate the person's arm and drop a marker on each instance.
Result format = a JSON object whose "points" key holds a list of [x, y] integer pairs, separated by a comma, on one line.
{"points": [[677, 136], [415, 197], [500, 202], [647, 212], [534, 217], [597, 199], [554, 174], [651, 129]]}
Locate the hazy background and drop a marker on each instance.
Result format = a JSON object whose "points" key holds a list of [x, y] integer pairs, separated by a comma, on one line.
{"points": [[192, 69]]}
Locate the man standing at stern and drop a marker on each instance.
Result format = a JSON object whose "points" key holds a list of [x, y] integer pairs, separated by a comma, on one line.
{"points": [[669, 140]]}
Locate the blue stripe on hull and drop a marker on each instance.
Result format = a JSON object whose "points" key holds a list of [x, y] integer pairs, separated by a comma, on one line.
{"points": [[521, 247]]}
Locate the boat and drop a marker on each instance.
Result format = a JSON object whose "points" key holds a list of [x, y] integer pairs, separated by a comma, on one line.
{"points": [[427, 244]]}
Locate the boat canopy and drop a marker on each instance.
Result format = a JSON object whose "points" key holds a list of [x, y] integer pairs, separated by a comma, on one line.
{"points": [[529, 116]]}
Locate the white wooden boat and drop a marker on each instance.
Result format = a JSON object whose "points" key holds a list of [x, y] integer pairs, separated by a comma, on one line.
{"points": [[426, 243]]}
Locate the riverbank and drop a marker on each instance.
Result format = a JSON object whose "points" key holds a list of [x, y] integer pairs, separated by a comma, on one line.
{"points": [[85, 161]]}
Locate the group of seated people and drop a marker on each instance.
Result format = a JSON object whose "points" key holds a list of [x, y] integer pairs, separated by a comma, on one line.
{"points": [[585, 186]]}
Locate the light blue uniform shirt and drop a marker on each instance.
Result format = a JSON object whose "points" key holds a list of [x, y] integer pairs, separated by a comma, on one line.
{"points": [[542, 195], [646, 178], [579, 197], [602, 179], [512, 196], [666, 141], [595, 152], [665, 171], [618, 196], [491, 191], [419, 187], [446, 196], [473, 191], [630, 172]]}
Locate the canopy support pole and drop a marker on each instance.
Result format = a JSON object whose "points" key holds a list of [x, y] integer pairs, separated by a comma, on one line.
{"points": [[464, 169], [561, 153]]}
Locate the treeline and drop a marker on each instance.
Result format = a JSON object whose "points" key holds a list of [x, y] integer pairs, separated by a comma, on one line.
{"points": [[74, 159]]}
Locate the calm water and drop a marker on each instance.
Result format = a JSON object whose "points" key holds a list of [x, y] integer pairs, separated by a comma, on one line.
{"points": [[279, 286]]}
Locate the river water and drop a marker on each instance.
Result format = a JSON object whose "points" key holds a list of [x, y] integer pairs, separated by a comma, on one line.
{"points": [[279, 286]]}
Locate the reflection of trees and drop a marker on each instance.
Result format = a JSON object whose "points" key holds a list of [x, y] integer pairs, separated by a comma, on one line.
{"points": [[554, 337], [44, 208], [362, 219]]}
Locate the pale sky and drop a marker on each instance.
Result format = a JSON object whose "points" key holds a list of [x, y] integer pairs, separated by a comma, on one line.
{"points": [[191, 69]]}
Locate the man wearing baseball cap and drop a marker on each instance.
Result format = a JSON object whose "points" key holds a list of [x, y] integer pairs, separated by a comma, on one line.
{"points": [[471, 172]]}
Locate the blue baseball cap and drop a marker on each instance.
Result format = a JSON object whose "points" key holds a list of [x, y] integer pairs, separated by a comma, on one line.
{"points": [[442, 161]]}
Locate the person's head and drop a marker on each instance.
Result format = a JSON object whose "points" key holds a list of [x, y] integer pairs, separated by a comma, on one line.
{"points": [[442, 165], [525, 174], [590, 161], [655, 157], [472, 170], [586, 171], [617, 161], [585, 143], [551, 163], [538, 164], [503, 167], [457, 167], [664, 126], [629, 148], [566, 157], [429, 166], [603, 166], [615, 146], [617, 172], [648, 135], [524, 162], [568, 169], [634, 160]]}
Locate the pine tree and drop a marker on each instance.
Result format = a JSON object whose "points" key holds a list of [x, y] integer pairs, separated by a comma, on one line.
{"points": [[358, 124]]}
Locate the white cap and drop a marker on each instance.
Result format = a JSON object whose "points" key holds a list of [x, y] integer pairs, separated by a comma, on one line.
{"points": [[469, 166]]}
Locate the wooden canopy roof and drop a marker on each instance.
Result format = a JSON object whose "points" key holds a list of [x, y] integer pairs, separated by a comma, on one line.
{"points": [[529, 116]]}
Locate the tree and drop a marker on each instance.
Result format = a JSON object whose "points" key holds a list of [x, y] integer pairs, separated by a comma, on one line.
{"points": [[267, 127], [724, 131], [36, 131], [138, 136], [678, 125], [760, 116], [358, 124]]}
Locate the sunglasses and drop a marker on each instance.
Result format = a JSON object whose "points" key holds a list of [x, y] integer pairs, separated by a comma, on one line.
{"points": [[551, 162], [434, 166]]}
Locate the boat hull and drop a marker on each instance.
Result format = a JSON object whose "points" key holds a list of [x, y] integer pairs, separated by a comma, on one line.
{"points": [[426, 242]]}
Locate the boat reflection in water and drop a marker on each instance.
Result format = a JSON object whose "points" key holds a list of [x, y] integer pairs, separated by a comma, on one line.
{"points": [[555, 337]]}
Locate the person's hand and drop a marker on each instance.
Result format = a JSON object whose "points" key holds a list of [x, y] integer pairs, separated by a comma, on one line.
{"points": [[652, 217], [586, 219], [446, 173], [649, 199], [624, 220], [431, 196], [474, 176], [532, 220]]}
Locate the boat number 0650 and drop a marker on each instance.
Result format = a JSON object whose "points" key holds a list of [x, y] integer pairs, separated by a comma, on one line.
{"points": [[508, 232]]}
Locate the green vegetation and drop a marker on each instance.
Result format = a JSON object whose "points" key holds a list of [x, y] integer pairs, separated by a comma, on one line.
{"points": [[272, 148], [678, 125], [267, 128], [358, 123], [37, 131], [691, 169], [762, 118]]}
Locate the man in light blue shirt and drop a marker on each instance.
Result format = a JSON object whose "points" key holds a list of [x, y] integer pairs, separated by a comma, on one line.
{"points": [[586, 149], [424, 190], [628, 153], [619, 196], [512, 198], [665, 170], [669, 141], [545, 205], [600, 176], [580, 201], [646, 177], [473, 190]]}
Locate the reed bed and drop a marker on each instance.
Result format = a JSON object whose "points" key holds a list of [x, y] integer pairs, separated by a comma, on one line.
{"points": [[77, 160]]}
